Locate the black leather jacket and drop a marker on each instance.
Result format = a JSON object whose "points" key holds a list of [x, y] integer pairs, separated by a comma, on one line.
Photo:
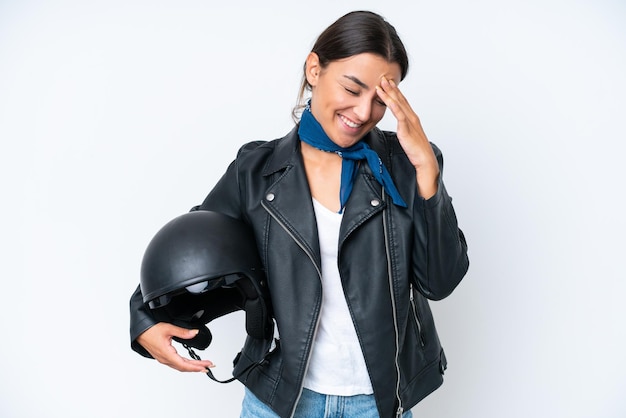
{"points": [[391, 260]]}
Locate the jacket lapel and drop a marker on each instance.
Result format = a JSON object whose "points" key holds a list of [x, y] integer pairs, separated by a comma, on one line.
{"points": [[288, 198], [366, 198], [365, 201]]}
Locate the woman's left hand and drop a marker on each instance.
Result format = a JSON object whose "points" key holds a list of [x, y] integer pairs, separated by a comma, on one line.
{"points": [[411, 137]]}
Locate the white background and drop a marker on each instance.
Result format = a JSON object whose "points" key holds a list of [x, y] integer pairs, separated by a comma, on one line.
{"points": [[116, 116]]}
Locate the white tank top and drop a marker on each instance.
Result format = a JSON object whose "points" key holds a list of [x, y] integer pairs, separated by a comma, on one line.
{"points": [[337, 366]]}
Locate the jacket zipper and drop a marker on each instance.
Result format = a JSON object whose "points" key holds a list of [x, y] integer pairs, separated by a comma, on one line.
{"points": [[317, 322], [416, 316], [400, 409]]}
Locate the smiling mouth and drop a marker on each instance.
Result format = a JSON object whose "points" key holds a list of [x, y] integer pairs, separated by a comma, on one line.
{"points": [[349, 123]]}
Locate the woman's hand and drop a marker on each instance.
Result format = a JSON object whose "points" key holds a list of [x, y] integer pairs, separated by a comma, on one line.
{"points": [[157, 340], [411, 137]]}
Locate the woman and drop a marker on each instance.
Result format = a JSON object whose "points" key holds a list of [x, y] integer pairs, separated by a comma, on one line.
{"points": [[356, 231]]}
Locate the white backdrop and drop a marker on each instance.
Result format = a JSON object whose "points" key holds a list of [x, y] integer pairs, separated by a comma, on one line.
{"points": [[116, 116]]}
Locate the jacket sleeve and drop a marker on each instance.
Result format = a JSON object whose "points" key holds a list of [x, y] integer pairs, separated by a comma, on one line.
{"points": [[140, 320], [440, 251]]}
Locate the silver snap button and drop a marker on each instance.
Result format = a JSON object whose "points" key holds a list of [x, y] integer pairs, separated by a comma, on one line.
{"points": [[375, 202], [270, 197]]}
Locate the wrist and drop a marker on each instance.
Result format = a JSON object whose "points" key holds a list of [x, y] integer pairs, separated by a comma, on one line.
{"points": [[427, 181]]}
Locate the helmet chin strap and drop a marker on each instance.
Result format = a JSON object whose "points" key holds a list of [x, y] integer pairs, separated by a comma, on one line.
{"points": [[209, 373]]}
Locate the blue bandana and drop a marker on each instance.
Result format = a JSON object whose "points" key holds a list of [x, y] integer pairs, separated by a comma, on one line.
{"points": [[312, 133]]}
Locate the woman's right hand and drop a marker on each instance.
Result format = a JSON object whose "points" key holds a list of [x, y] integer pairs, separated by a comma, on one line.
{"points": [[157, 340]]}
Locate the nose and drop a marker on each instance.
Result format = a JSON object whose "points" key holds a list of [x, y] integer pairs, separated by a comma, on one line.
{"points": [[363, 109]]}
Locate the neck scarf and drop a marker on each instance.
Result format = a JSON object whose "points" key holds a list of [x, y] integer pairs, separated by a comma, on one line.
{"points": [[312, 133]]}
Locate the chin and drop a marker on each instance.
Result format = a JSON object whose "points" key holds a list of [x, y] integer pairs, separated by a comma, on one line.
{"points": [[345, 142]]}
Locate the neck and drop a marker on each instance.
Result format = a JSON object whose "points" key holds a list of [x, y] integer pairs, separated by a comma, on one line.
{"points": [[316, 155], [323, 171]]}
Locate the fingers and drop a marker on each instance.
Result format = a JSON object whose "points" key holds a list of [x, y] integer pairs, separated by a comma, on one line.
{"points": [[391, 89], [389, 93], [157, 340], [410, 133], [179, 332], [408, 122], [171, 358]]}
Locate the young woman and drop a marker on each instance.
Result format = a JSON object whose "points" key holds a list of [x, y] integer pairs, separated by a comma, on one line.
{"points": [[355, 230]]}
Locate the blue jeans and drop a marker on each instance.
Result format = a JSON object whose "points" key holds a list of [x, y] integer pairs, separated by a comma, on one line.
{"points": [[316, 405]]}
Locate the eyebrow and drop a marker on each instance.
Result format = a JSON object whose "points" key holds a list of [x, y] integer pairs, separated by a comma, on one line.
{"points": [[357, 81]]}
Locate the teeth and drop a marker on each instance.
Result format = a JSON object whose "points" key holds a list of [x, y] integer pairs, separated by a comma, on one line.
{"points": [[349, 122]]}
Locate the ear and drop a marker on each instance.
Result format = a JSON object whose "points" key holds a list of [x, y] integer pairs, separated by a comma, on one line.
{"points": [[312, 68]]}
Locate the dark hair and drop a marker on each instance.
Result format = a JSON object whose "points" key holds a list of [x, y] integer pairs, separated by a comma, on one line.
{"points": [[356, 33]]}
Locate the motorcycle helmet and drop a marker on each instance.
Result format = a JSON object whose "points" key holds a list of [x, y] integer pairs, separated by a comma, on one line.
{"points": [[203, 265]]}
